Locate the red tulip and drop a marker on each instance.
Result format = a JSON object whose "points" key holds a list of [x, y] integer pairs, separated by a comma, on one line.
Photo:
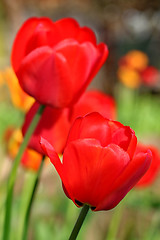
{"points": [[94, 101], [153, 171], [55, 61], [98, 166], [55, 123], [150, 76]]}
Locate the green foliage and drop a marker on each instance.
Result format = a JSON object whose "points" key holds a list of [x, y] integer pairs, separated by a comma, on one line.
{"points": [[139, 111], [9, 116]]}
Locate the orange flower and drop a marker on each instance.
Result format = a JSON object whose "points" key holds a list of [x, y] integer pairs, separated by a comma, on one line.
{"points": [[31, 159], [134, 70], [1, 79], [19, 98], [136, 60], [129, 77]]}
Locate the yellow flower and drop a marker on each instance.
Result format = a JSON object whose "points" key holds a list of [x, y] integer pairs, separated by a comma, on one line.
{"points": [[129, 77], [19, 98]]}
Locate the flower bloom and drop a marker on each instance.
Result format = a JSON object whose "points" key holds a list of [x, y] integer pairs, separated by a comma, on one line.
{"points": [[150, 76], [98, 167], [135, 59], [19, 98], [134, 70], [153, 171], [129, 77], [55, 123], [30, 159], [55, 61]]}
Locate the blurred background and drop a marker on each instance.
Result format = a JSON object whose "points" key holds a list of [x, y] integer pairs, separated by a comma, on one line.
{"points": [[131, 30]]}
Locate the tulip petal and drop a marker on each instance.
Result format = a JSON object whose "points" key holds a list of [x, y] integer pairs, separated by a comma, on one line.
{"points": [[84, 60], [85, 34], [132, 145], [23, 36], [89, 169], [126, 181], [67, 28], [93, 125], [153, 171], [42, 64], [123, 136], [94, 101], [51, 153], [126, 139], [73, 30]]}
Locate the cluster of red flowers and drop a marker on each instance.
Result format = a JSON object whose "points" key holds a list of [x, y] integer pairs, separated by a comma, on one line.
{"points": [[54, 63]]}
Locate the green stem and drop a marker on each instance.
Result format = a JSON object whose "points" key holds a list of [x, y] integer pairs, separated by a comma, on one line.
{"points": [[79, 222], [29, 180], [115, 222], [12, 177], [28, 211]]}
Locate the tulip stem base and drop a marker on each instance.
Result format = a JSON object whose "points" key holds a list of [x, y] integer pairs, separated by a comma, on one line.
{"points": [[12, 177], [31, 199], [79, 222]]}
